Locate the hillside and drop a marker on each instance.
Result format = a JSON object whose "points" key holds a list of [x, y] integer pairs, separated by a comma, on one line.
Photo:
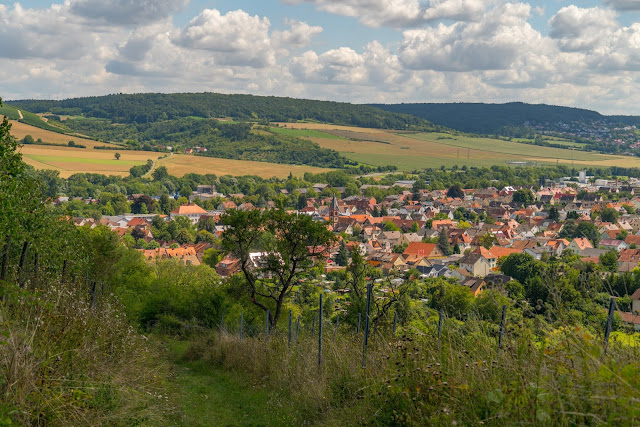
{"points": [[213, 125], [491, 118], [153, 107]]}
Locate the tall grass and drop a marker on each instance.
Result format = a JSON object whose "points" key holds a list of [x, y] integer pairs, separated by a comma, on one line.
{"points": [[65, 360], [561, 377]]}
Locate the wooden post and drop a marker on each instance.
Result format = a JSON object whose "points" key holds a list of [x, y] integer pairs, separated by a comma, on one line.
{"points": [[607, 331], [290, 324], [5, 258], [441, 315], [366, 325], [23, 261], [395, 323], [504, 316], [320, 333], [241, 322]]}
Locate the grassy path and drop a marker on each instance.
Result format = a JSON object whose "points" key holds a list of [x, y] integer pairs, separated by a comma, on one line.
{"points": [[211, 396]]}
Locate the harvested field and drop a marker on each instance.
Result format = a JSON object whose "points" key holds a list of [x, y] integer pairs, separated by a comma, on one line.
{"points": [[20, 130], [69, 160], [181, 164]]}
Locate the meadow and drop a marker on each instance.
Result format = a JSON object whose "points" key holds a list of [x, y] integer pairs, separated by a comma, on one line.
{"points": [[410, 151]]}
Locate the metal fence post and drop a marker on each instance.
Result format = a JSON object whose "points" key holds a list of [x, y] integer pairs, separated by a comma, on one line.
{"points": [[5, 258], [320, 333], [290, 328], [607, 331], [23, 261], [36, 266], [266, 324], [504, 315], [366, 325], [395, 322]]}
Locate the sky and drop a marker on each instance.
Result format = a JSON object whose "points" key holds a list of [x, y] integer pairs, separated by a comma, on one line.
{"points": [[564, 52]]}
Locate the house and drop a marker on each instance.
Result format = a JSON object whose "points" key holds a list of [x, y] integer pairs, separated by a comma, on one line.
{"points": [[427, 250], [476, 264], [579, 244], [613, 245], [226, 205], [628, 259], [475, 285], [228, 266], [191, 211], [635, 301]]}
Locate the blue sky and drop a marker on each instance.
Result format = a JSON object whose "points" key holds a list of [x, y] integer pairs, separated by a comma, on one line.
{"points": [[577, 53]]}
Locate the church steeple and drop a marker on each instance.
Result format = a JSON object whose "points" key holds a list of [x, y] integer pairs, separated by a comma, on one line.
{"points": [[334, 211]]}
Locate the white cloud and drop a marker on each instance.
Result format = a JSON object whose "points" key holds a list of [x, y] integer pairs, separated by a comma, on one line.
{"points": [[126, 12], [299, 34], [42, 33], [494, 43], [578, 29], [401, 13], [236, 38]]}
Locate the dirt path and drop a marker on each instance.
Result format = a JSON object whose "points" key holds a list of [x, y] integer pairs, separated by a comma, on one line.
{"points": [[212, 396], [153, 166], [20, 114]]}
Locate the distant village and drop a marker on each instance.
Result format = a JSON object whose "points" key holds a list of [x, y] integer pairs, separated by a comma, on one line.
{"points": [[405, 231]]}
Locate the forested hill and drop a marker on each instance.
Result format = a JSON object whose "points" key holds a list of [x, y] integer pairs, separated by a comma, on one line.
{"points": [[491, 118], [152, 107]]}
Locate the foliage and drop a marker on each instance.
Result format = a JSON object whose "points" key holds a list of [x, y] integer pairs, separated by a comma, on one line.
{"points": [[289, 246]]}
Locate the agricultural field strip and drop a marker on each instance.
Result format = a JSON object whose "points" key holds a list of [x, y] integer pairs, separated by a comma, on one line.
{"points": [[517, 148]]}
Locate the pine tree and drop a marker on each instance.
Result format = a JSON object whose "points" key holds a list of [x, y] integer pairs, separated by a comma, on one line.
{"points": [[343, 255], [443, 242]]}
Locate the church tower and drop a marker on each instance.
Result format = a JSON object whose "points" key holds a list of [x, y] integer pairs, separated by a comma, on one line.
{"points": [[334, 212]]}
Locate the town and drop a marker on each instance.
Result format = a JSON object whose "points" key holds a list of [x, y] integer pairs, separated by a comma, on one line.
{"points": [[462, 235]]}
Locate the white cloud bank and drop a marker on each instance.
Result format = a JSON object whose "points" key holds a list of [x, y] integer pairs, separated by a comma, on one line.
{"points": [[447, 50]]}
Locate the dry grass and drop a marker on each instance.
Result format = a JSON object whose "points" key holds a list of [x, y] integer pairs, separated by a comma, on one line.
{"points": [[68, 362], [561, 379], [20, 130], [180, 164], [70, 160]]}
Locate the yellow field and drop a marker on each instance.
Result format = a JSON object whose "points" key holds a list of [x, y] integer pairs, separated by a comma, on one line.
{"points": [[410, 151], [181, 164], [69, 160], [20, 130]]}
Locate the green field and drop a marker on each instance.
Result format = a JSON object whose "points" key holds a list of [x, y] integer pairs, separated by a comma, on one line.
{"points": [[410, 151], [10, 112], [304, 133], [35, 120], [70, 159]]}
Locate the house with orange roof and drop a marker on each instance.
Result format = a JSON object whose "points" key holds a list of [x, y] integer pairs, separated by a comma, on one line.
{"points": [[190, 210], [427, 250], [579, 244]]}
